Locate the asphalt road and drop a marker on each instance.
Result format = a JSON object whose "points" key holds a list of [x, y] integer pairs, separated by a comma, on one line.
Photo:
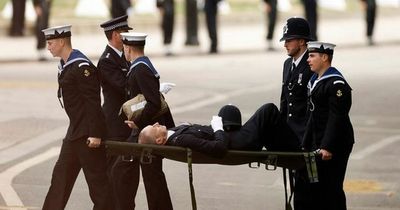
{"points": [[32, 124]]}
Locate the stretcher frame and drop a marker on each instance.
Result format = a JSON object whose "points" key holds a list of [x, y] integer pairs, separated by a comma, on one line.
{"points": [[272, 160]]}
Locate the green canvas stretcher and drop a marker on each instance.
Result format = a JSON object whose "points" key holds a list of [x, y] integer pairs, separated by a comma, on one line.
{"points": [[271, 160]]}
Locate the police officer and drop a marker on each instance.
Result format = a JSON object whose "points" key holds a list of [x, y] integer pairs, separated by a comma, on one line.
{"points": [[293, 106], [311, 13], [296, 74], [79, 94], [211, 10], [142, 78], [113, 68], [264, 129], [329, 129], [167, 9], [370, 15], [271, 11]]}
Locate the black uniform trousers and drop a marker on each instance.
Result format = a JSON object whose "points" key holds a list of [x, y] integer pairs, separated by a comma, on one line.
{"points": [[370, 16], [119, 7], [18, 18], [126, 181], [167, 23], [42, 22], [310, 7], [271, 18], [74, 156], [211, 10], [331, 174], [265, 129]]}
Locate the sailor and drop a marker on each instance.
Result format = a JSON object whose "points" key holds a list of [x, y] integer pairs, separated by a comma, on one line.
{"points": [[79, 94], [142, 78], [329, 129]]}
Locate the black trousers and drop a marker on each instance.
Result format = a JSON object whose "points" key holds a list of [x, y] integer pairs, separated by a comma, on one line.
{"points": [[265, 129], [328, 192], [167, 23], [271, 18], [42, 22], [119, 7], [370, 16], [125, 178], [74, 156], [311, 13], [211, 10], [18, 18]]}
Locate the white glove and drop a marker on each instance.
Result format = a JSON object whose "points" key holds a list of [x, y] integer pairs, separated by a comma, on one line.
{"points": [[165, 87], [216, 123]]}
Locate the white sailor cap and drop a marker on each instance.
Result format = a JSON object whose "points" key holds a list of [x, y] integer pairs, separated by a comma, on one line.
{"points": [[57, 32], [116, 23], [134, 38], [321, 47]]}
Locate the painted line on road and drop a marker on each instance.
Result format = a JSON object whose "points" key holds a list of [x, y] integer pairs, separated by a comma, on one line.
{"points": [[221, 97], [8, 193], [24, 148], [374, 147]]}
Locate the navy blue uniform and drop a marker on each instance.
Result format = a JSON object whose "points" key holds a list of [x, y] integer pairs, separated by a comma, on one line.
{"points": [[113, 69], [79, 88], [294, 94], [328, 128], [142, 78], [264, 129]]}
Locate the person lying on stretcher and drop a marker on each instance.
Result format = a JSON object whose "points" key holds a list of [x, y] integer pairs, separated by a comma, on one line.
{"points": [[264, 129]]}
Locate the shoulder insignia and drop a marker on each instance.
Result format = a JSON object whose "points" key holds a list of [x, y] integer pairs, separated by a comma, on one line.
{"points": [[339, 93], [338, 81], [86, 73], [83, 64]]}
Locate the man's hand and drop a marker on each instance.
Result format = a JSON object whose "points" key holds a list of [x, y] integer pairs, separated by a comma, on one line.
{"points": [[326, 155], [131, 124], [93, 142], [216, 123], [165, 87]]}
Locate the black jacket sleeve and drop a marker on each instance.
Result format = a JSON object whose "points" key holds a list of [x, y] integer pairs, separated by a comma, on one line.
{"points": [[216, 147]]}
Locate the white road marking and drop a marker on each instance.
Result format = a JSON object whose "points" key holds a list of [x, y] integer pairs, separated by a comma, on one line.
{"points": [[31, 145], [220, 97], [9, 195], [374, 147]]}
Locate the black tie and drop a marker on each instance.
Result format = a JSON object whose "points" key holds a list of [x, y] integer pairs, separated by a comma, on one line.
{"points": [[291, 71]]}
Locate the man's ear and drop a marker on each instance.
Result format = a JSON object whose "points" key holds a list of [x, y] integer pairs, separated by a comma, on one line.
{"points": [[160, 140]]}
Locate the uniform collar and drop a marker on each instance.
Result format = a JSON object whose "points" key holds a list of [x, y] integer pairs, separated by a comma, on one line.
{"points": [[75, 55], [116, 50], [297, 62], [331, 72]]}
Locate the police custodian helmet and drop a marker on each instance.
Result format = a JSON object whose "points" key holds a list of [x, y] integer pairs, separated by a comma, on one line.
{"points": [[296, 28], [231, 117]]}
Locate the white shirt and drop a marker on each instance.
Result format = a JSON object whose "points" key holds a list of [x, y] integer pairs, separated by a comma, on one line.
{"points": [[169, 133], [297, 62]]}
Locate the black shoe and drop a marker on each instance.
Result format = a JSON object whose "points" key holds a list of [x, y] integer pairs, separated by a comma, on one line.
{"points": [[213, 50]]}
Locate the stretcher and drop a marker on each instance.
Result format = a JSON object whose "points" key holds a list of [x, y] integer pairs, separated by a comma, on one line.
{"points": [[272, 160]]}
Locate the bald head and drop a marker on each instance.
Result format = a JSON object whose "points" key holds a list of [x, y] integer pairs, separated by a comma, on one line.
{"points": [[153, 134]]}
